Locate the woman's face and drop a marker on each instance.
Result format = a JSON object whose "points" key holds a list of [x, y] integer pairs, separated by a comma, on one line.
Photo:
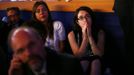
{"points": [[41, 13], [84, 19]]}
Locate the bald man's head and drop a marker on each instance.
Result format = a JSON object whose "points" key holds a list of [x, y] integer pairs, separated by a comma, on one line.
{"points": [[27, 46], [21, 31]]}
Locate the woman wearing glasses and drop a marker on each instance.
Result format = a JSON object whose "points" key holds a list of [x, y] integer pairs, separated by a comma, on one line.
{"points": [[87, 40]]}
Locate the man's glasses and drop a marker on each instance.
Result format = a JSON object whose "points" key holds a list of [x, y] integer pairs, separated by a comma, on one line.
{"points": [[10, 16]]}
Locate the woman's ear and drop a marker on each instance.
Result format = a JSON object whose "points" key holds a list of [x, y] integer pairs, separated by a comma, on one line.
{"points": [[77, 21]]}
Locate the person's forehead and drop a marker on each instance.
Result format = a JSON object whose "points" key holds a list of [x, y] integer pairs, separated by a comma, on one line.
{"points": [[41, 7], [82, 12], [20, 35], [20, 40]]}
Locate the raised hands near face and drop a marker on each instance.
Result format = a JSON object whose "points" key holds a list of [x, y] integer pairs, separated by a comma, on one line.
{"points": [[84, 21], [86, 30], [15, 66]]}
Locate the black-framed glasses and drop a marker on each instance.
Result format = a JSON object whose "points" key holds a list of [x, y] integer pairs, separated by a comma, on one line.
{"points": [[9, 16], [41, 10], [84, 17]]}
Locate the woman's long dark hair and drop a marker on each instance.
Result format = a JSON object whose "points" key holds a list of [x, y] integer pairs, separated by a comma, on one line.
{"points": [[78, 29], [49, 24]]}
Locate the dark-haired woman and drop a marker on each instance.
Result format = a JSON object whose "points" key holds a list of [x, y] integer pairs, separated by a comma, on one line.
{"points": [[87, 40]]}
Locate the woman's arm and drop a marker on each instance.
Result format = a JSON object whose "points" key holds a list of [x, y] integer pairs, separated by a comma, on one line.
{"points": [[77, 51], [97, 48], [60, 31], [62, 46]]}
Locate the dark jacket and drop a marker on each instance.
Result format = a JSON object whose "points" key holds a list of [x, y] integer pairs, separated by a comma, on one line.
{"points": [[60, 64]]}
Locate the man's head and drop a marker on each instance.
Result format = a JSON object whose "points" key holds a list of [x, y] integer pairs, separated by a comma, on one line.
{"points": [[27, 46], [13, 14]]}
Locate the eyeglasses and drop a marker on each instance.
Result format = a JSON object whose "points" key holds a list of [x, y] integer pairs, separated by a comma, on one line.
{"points": [[12, 15], [41, 10], [84, 17]]}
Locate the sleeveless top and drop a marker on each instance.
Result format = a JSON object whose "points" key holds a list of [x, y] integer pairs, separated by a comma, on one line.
{"points": [[88, 51], [78, 38]]}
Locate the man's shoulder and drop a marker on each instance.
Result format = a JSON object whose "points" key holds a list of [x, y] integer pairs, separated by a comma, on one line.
{"points": [[66, 63]]}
